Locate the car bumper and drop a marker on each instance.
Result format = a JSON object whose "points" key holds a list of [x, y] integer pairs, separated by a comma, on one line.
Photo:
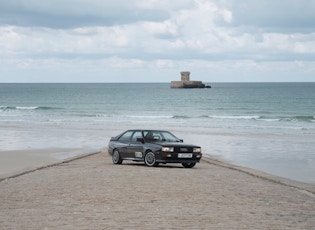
{"points": [[163, 157]]}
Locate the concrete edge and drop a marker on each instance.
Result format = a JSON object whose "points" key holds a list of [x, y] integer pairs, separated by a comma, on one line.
{"points": [[29, 170], [269, 177]]}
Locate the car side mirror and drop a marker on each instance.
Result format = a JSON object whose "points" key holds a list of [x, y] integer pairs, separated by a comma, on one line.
{"points": [[140, 139], [181, 140]]}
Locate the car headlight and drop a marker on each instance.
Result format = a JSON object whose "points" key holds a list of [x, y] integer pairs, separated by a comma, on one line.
{"points": [[168, 149], [197, 150]]}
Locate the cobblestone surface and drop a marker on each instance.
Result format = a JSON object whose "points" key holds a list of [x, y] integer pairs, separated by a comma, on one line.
{"points": [[92, 193]]}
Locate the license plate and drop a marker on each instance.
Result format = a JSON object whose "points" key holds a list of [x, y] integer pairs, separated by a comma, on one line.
{"points": [[185, 155]]}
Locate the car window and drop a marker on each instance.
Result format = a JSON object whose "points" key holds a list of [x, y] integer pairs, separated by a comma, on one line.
{"points": [[153, 136], [126, 136], [157, 135], [136, 134], [169, 137]]}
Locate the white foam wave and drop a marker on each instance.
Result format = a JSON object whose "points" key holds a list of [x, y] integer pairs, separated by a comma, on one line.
{"points": [[3, 108], [27, 108], [253, 117], [150, 116]]}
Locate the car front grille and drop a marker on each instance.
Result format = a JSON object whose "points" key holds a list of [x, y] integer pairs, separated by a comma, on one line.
{"points": [[183, 150]]}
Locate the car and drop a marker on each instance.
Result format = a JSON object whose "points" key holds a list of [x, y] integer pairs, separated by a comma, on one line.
{"points": [[152, 147]]}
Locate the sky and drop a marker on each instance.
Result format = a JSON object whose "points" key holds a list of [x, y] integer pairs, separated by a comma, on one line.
{"points": [[154, 40]]}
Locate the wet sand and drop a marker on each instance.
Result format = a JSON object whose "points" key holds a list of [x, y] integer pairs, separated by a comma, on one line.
{"points": [[19, 161], [91, 193]]}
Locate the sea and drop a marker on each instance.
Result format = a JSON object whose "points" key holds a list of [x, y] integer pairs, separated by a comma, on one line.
{"points": [[264, 126]]}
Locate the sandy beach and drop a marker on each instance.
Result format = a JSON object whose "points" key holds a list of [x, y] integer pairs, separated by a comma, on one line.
{"points": [[90, 192]]}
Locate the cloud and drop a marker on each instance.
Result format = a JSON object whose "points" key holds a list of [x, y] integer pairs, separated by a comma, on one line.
{"points": [[74, 13], [77, 37], [274, 15]]}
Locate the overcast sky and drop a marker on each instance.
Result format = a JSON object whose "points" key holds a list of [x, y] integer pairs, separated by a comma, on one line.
{"points": [[153, 40]]}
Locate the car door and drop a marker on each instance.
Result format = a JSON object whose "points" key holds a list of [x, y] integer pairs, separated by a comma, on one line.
{"points": [[136, 147], [124, 143]]}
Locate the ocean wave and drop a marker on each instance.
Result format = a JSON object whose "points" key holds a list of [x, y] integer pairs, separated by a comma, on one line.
{"points": [[5, 108], [181, 117], [238, 117], [149, 116], [92, 115], [226, 117], [298, 118], [266, 118]]}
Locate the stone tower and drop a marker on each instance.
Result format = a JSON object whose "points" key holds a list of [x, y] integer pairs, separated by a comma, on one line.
{"points": [[185, 76], [186, 82]]}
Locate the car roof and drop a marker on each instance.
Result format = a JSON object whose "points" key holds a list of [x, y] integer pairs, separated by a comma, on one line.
{"points": [[157, 130]]}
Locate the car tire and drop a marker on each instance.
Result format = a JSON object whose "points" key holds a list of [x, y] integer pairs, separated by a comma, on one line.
{"points": [[188, 165], [150, 160], [116, 157]]}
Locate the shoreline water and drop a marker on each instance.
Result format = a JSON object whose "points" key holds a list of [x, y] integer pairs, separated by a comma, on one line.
{"points": [[19, 161]]}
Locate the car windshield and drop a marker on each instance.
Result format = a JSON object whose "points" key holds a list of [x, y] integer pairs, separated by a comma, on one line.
{"points": [[152, 135]]}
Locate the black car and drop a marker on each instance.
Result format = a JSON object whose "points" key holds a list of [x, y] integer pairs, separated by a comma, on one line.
{"points": [[153, 147]]}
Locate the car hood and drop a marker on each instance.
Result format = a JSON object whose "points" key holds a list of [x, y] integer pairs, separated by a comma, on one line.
{"points": [[174, 144]]}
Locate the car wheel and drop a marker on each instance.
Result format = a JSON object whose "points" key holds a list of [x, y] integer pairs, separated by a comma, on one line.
{"points": [[116, 157], [188, 165], [149, 159]]}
